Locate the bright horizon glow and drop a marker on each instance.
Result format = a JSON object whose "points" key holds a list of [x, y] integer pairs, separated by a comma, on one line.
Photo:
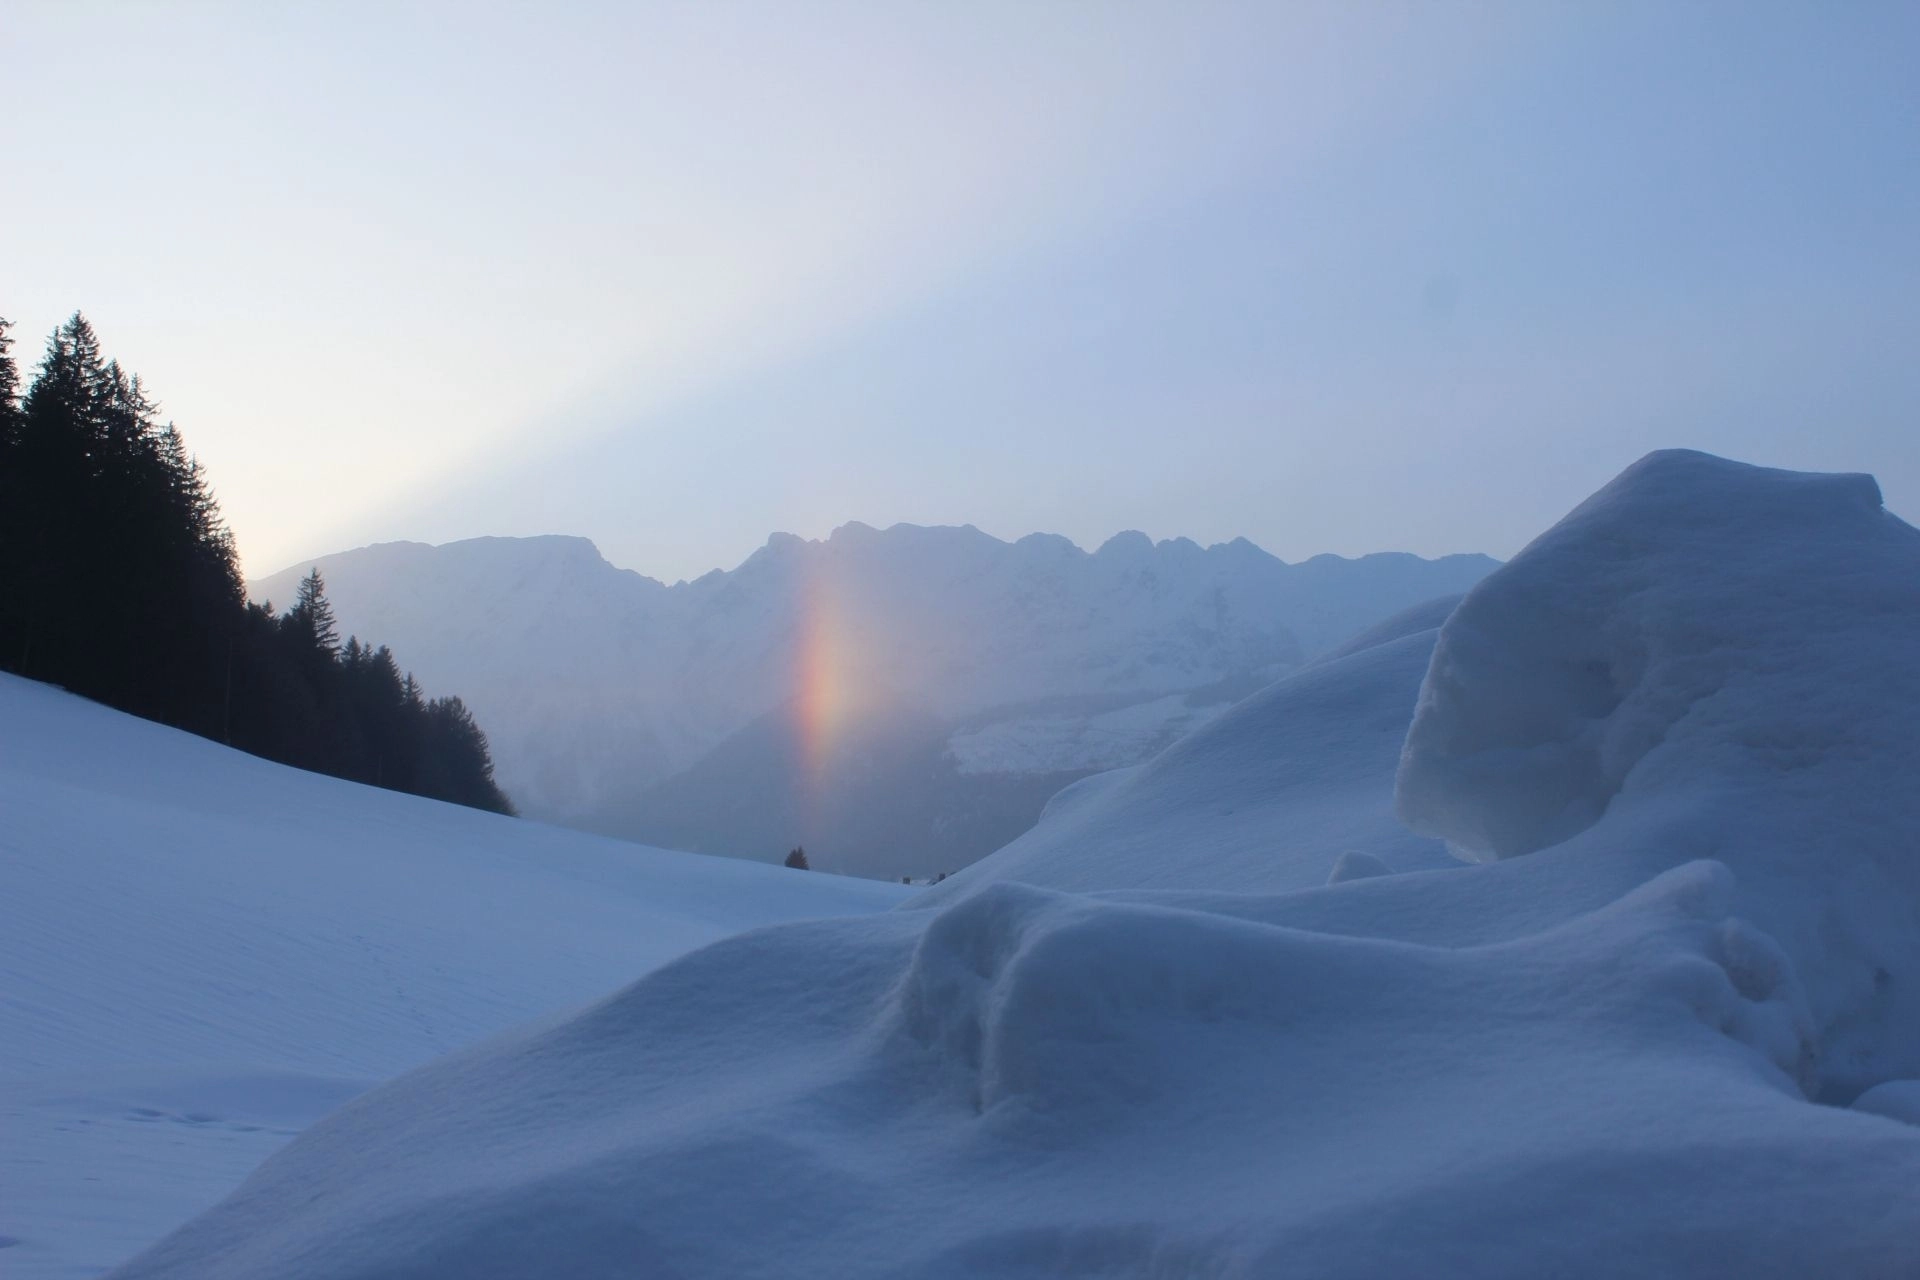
{"points": [[1334, 278]]}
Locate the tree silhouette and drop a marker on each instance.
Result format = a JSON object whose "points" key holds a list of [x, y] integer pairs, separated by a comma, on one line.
{"points": [[311, 617], [118, 580], [798, 859], [9, 387]]}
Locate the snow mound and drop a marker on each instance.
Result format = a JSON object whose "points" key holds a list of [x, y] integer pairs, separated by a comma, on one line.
{"points": [[1707, 659], [1610, 1056], [1031, 1083], [1896, 1099], [1693, 611]]}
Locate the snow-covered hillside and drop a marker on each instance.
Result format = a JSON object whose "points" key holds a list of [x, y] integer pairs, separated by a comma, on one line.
{"points": [[1270, 796], [1682, 725], [999, 670], [202, 952]]}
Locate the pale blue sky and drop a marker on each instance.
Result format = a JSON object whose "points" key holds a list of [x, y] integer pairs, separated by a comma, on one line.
{"points": [[1333, 277]]}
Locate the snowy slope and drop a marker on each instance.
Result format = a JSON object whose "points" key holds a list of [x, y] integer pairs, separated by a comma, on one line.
{"points": [[1683, 724], [1269, 796], [1037, 659], [201, 952]]}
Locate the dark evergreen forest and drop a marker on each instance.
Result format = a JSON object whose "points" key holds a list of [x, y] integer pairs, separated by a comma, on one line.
{"points": [[119, 582]]}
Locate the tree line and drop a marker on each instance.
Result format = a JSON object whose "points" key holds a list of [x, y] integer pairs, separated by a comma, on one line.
{"points": [[119, 581]]}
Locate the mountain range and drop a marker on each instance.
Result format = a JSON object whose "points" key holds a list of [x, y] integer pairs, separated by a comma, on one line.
{"points": [[900, 701]]}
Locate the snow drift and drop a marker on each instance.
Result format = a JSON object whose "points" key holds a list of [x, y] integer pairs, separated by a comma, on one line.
{"points": [[1680, 723], [1707, 660]]}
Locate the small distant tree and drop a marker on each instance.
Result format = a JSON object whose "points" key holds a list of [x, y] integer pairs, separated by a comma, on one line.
{"points": [[312, 615], [798, 859]]}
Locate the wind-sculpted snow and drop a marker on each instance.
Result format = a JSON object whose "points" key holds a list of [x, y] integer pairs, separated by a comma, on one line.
{"points": [[1031, 1083], [1618, 1049], [1695, 618], [1708, 659]]}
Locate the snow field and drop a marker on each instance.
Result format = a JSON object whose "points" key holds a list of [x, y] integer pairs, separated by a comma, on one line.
{"points": [[202, 952], [1680, 726]]}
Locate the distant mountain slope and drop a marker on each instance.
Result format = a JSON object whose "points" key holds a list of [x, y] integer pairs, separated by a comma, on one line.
{"points": [[1275, 790], [1033, 661], [201, 952], [888, 800]]}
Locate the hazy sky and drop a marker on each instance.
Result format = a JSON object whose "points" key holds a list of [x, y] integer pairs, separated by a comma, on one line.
{"points": [[1342, 277]]}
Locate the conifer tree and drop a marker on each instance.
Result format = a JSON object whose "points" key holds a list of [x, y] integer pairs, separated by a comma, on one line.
{"points": [[459, 767], [9, 388], [312, 614], [54, 627], [13, 513], [118, 579]]}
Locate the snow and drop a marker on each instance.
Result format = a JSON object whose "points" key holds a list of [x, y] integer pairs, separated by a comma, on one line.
{"points": [[1357, 864], [1265, 797], [1895, 1099], [1033, 1083], [202, 952], [1065, 742], [1227, 1026], [1706, 659], [1663, 1026]]}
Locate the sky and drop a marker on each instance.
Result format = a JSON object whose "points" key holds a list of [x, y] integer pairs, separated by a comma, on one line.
{"points": [[1333, 277]]}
